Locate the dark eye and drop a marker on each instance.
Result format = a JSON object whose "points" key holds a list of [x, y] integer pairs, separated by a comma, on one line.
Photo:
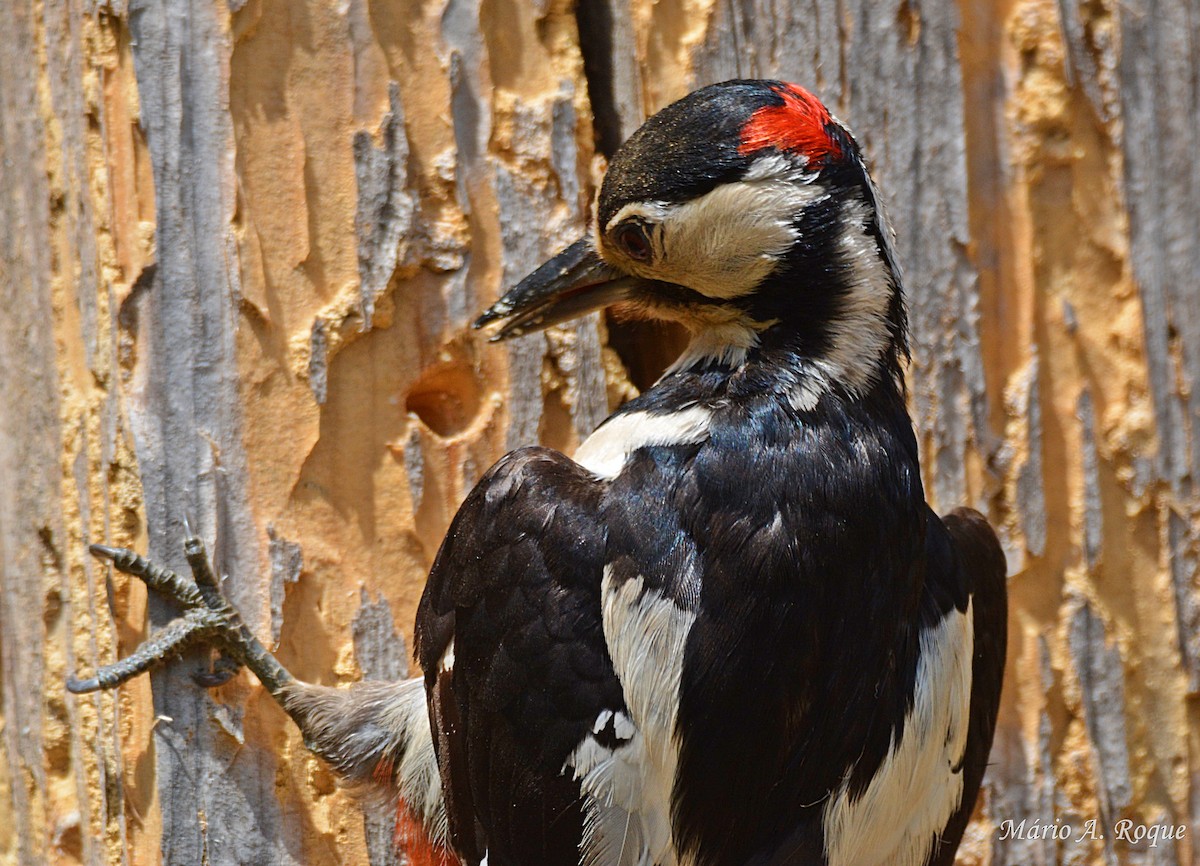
{"points": [[634, 241]]}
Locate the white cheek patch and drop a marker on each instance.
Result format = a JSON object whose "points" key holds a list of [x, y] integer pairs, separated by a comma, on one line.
{"points": [[724, 243]]}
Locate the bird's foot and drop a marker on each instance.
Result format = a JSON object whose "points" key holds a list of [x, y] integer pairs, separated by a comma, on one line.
{"points": [[207, 617]]}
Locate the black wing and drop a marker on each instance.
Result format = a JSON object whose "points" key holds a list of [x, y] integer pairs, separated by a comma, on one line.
{"points": [[514, 598], [981, 565]]}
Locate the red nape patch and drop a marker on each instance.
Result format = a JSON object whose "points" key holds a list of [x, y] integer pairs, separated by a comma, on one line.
{"points": [[800, 125], [415, 845]]}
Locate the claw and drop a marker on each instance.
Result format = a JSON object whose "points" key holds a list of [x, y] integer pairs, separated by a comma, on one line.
{"points": [[105, 552], [197, 557], [82, 687], [161, 580], [178, 635]]}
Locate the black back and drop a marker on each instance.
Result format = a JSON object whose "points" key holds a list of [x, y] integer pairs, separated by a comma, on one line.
{"points": [[802, 543]]}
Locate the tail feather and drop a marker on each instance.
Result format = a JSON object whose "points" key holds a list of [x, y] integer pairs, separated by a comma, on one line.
{"points": [[376, 736], [414, 841]]}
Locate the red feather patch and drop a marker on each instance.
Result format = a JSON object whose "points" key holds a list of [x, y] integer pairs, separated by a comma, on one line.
{"points": [[800, 125], [416, 846]]}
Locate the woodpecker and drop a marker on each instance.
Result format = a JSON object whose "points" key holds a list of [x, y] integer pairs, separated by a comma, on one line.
{"points": [[730, 630]]}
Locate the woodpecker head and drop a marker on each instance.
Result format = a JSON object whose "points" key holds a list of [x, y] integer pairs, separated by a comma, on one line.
{"points": [[745, 212]]}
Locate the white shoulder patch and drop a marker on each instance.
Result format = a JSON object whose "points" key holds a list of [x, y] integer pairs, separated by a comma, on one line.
{"points": [[606, 451], [646, 634], [916, 789]]}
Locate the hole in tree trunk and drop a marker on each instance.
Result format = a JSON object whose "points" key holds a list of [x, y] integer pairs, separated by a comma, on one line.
{"points": [[446, 398]]}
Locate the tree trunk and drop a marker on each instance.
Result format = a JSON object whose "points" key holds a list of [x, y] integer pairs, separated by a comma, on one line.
{"points": [[242, 242]]}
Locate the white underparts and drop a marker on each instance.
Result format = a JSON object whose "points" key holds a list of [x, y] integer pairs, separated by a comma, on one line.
{"points": [[726, 344], [377, 736], [606, 451], [916, 789]]}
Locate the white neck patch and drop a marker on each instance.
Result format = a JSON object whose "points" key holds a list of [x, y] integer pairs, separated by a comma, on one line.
{"points": [[861, 334]]}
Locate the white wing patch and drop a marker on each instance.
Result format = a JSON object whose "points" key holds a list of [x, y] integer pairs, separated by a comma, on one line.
{"points": [[917, 788], [606, 451], [627, 789], [614, 832]]}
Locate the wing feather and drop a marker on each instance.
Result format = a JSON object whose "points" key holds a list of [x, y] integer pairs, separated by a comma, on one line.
{"points": [[981, 566], [514, 599]]}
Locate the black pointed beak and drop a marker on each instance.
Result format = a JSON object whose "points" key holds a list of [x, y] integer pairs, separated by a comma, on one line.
{"points": [[574, 282]]}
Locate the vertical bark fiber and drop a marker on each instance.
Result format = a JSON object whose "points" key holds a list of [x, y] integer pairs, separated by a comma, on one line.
{"points": [[241, 245]]}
